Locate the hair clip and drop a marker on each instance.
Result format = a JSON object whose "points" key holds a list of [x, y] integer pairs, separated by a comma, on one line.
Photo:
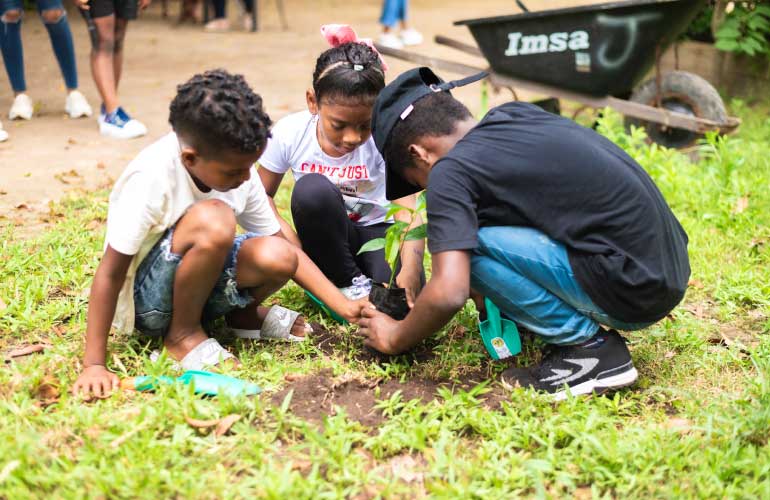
{"points": [[358, 67]]}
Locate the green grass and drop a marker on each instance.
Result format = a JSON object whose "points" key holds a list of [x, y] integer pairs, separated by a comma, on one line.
{"points": [[696, 425]]}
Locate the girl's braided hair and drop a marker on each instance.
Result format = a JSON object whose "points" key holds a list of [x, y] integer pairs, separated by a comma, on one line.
{"points": [[217, 110], [351, 71]]}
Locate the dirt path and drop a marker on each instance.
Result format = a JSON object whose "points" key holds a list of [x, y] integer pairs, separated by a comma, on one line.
{"points": [[51, 155]]}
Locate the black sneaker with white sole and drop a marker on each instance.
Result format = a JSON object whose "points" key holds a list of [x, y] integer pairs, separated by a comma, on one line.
{"points": [[598, 365]]}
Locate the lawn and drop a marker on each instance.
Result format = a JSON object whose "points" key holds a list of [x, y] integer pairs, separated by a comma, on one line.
{"points": [[336, 421]]}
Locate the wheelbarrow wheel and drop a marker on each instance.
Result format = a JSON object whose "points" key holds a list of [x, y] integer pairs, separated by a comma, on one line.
{"points": [[684, 93]]}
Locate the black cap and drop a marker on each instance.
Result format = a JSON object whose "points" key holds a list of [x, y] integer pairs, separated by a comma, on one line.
{"points": [[394, 103]]}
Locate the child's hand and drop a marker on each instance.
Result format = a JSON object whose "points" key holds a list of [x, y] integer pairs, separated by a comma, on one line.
{"points": [[83, 4], [143, 4], [355, 308], [96, 380]]}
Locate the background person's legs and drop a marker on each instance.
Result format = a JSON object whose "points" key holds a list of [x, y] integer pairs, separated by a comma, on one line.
{"points": [[10, 43], [55, 20], [103, 60], [13, 57], [528, 276]]}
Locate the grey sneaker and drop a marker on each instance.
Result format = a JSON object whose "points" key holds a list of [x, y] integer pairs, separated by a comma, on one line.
{"points": [[360, 288]]}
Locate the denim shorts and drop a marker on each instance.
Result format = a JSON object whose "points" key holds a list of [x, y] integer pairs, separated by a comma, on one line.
{"points": [[154, 287]]}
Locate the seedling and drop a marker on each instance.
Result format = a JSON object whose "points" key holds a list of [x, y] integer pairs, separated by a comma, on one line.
{"points": [[393, 244]]}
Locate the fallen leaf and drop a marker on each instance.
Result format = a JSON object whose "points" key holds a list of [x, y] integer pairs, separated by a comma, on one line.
{"points": [[741, 204], [21, 206], [201, 424], [292, 377], [403, 467], [582, 493], [224, 425], [47, 391], [669, 354], [70, 140], [3, 305], [3, 192], [301, 466], [682, 425], [26, 350], [101, 166], [695, 283], [59, 330], [94, 224]]}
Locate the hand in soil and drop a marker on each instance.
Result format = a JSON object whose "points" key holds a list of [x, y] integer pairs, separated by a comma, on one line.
{"points": [[379, 331], [410, 282], [96, 380]]}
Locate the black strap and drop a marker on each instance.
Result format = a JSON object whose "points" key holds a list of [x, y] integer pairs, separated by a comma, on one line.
{"points": [[460, 83]]}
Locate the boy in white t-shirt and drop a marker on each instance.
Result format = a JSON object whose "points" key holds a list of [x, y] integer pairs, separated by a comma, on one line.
{"points": [[172, 259]]}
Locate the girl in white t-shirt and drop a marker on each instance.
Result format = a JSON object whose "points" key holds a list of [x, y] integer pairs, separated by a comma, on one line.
{"points": [[338, 202]]}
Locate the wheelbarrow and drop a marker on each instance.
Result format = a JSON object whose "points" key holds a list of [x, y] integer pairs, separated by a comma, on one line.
{"points": [[595, 55]]}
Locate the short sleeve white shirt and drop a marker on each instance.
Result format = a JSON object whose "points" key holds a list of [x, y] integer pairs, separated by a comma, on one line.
{"points": [[359, 175], [153, 193]]}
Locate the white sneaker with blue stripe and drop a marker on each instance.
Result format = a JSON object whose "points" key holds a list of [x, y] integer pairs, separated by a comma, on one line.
{"points": [[120, 126]]}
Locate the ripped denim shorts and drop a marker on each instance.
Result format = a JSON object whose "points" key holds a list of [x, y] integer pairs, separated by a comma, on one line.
{"points": [[154, 287]]}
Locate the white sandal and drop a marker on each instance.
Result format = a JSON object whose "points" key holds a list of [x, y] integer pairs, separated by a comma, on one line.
{"points": [[204, 355], [277, 325]]}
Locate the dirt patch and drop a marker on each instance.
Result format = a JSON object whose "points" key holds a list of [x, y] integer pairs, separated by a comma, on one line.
{"points": [[320, 394], [350, 347]]}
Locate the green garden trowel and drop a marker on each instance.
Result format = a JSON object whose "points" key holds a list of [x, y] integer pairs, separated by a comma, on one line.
{"points": [[206, 383], [500, 336]]}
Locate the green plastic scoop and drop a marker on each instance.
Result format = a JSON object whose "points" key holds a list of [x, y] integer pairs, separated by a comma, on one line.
{"points": [[207, 383], [500, 336], [336, 317]]}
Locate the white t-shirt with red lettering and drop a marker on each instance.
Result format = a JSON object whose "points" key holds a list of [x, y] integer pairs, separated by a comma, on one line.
{"points": [[359, 175]]}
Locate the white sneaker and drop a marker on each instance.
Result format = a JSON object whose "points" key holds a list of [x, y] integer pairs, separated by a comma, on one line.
{"points": [[3, 134], [217, 26], [119, 125], [77, 105], [360, 288], [21, 108], [411, 37], [391, 40]]}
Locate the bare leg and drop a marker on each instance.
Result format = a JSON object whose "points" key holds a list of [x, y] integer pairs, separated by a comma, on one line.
{"points": [[102, 61], [204, 236], [117, 58], [263, 266]]}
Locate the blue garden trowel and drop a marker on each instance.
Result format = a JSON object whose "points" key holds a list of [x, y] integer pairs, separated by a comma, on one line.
{"points": [[500, 336], [206, 383]]}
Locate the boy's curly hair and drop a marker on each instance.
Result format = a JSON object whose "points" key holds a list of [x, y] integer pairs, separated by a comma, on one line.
{"points": [[218, 111]]}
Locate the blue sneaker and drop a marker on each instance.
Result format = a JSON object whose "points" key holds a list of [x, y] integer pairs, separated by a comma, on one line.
{"points": [[120, 125]]}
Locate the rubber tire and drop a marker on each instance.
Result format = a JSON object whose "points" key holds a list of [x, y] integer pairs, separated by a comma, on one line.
{"points": [[678, 88]]}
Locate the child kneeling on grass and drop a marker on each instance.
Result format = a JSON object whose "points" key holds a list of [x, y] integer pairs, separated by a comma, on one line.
{"points": [[173, 260], [553, 223]]}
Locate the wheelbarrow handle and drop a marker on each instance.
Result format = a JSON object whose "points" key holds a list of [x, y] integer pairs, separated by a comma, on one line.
{"points": [[522, 6]]}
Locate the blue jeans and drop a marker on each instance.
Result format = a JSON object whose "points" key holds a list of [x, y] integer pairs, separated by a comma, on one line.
{"points": [[392, 12], [528, 277], [154, 287], [61, 41]]}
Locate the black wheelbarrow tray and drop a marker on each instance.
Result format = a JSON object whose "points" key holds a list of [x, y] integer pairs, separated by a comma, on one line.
{"points": [[596, 55]]}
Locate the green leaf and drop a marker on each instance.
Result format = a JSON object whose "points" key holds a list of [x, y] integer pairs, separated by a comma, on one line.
{"points": [[728, 32], [394, 208], [391, 251], [421, 202], [727, 45], [372, 245], [763, 10], [417, 233]]}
